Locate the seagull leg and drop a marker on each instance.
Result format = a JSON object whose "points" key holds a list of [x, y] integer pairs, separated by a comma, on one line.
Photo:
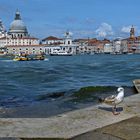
{"points": [[115, 111]]}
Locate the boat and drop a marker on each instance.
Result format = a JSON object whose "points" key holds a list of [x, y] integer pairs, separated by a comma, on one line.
{"points": [[20, 58], [29, 57], [60, 53], [136, 83]]}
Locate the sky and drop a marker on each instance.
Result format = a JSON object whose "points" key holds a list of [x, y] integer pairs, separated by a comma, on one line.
{"points": [[84, 18]]}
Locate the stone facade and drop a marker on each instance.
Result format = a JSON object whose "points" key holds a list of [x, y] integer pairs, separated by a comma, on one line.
{"points": [[31, 49], [18, 40], [66, 45]]}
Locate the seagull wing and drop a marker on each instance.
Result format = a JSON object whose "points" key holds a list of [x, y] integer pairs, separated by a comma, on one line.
{"points": [[110, 100]]}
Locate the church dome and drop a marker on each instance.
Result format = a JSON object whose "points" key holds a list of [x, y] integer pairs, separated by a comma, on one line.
{"points": [[18, 26]]}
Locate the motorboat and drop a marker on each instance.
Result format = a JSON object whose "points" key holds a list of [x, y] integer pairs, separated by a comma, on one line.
{"points": [[61, 53], [29, 57]]}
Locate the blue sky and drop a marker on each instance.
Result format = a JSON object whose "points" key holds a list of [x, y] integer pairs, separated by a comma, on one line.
{"points": [[84, 18]]}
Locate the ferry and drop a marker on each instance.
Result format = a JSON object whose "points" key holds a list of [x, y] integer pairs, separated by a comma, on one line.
{"points": [[61, 53]]}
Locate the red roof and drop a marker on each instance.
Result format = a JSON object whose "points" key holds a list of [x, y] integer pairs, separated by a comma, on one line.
{"points": [[51, 38]]}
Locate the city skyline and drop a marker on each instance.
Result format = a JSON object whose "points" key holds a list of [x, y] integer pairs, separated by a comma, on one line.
{"points": [[84, 18]]}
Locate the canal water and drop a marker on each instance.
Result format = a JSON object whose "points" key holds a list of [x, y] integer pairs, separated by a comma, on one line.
{"points": [[22, 82]]}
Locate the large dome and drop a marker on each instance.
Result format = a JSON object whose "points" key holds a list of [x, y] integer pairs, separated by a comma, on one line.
{"points": [[18, 26]]}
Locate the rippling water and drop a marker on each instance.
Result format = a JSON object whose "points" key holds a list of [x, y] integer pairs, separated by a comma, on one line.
{"points": [[22, 82]]}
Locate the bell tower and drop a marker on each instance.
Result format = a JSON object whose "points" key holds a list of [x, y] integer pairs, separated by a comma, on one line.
{"points": [[132, 32]]}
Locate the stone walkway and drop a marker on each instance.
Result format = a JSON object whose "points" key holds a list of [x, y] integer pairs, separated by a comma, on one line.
{"points": [[96, 121]]}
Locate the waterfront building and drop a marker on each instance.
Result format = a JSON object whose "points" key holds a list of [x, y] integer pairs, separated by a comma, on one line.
{"points": [[81, 46], [91, 46], [27, 49], [116, 46], [66, 46], [51, 40], [124, 46], [108, 48], [2, 30], [3, 34], [18, 40], [132, 43]]}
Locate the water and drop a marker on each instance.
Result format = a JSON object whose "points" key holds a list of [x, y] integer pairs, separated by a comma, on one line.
{"points": [[22, 82]]}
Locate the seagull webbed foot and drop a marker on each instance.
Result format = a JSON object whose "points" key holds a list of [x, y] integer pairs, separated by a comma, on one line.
{"points": [[114, 111]]}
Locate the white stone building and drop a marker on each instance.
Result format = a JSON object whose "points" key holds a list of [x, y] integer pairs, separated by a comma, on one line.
{"points": [[66, 47], [108, 48], [27, 49], [2, 30], [18, 40], [51, 40]]}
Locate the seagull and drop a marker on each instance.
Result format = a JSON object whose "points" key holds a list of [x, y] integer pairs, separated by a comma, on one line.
{"points": [[114, 100]]}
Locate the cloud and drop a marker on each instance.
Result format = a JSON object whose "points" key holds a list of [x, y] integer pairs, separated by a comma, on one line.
{"points": [[126, 29], [104, 30], [89, 21]]}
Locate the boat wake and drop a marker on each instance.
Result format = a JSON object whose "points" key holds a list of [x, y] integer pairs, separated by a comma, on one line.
{"points": [[46, 59], [6, 60]]}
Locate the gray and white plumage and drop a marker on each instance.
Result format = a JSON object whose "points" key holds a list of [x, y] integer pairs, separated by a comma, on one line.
{"points": [[114, 100]]}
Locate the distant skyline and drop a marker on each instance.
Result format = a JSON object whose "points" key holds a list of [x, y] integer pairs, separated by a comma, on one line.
{"points": [[84, 18]]}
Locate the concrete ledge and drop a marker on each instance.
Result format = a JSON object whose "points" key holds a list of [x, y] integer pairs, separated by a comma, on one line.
{"points": [[72, 124]]}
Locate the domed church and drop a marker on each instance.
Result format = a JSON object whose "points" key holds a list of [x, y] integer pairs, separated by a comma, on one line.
{"points": [[18, 40], [17, 27]]}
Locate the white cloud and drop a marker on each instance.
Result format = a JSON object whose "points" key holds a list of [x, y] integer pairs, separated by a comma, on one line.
{"points": [[126, 29], [104, 30]]}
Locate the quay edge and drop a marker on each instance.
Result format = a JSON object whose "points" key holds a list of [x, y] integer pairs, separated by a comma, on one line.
{"points": [[95, 121]]}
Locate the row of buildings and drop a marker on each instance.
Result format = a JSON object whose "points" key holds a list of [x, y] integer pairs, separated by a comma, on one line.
{"points": [[17, 40]]}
